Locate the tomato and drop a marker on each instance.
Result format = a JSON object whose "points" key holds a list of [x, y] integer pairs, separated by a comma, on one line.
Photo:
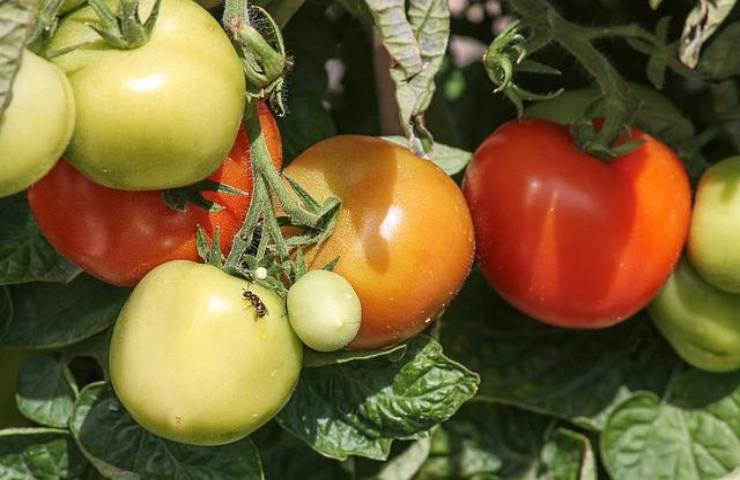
{"points": [[10, 364], [571, 240], [118, 236], [324, 310], [571, 105], [159, 116], [714, 236], [192, 361], [36, 126], [699, 320], [404, 235]]}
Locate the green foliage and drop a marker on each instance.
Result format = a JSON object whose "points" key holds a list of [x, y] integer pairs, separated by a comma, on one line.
{"points": [[16, 20]]}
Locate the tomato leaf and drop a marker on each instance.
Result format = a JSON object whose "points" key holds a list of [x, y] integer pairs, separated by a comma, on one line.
{"points": [[25, 255], [544, 369], [313, 359], [46, 391], [49, 315], [359, 408], [39, 453], [692, 433], [128, 451], [450, 159], [700, 24], [720, 60], [16, 22], [493, 441]]}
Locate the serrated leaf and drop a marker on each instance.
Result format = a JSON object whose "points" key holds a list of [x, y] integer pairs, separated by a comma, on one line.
{"points": [[450, 159], [720, 61], [544, 369], [359, 408], [693, 433], [39, 453], [25, 255], [46, 393], [127, 451], [16, 22], [50, 315], [700, 24]]}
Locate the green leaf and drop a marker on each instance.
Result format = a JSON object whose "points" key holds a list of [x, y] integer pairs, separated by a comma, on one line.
{"points": [[358, 408], [692, 433], [700, 24], [16, 22], [544, 369], [313, 359], [450, 159], [51, 315], [568, 455], [46, 392], [127, 451], [654, 4], [25, 255], [721, 61], [39, 453], [6, 310], [94, 347]]}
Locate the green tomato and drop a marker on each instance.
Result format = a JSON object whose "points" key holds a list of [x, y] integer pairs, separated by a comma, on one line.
{"points": [[324, 310], [571, 105], [159, 116], [700, 321], [10, 364], [192, 359], [714, 235], [36, 127]]}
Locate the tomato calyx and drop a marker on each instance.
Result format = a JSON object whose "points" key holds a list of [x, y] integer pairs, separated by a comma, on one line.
{"points": [[179, 198], [124, 30], [586, 134]]}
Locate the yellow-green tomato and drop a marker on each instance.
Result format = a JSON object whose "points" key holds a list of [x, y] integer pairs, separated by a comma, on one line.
{"points": [[162, 115], [10, 364], [714, 235], [37, 125], [324, 310], [700, 321], [195, 361]]}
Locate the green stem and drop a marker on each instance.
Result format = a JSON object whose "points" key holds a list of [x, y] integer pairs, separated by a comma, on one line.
{"points": [[234, 13]]}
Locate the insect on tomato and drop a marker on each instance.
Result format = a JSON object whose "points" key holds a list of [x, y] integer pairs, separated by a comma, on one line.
{"points": [[567, 238], [118, 236]]}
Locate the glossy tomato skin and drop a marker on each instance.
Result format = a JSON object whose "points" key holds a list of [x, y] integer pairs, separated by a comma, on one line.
{"points": [[193, 362], [404, 236], [571, 240], [700, 321], [159, 116], [37, 125], [715, 226], [118, 235]]}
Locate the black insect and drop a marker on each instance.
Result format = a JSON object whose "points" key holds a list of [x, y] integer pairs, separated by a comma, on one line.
{"points": [[256, 301]]}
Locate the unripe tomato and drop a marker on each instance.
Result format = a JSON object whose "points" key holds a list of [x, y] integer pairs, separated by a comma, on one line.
{"points": [[699, 320], [567, 238], [714, 237], [37, 125], [192, 359], [159, 116], [404, 236], [324, 310]]}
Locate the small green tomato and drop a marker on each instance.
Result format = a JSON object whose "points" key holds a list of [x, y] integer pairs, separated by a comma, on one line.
{"points": [[324, 310]]}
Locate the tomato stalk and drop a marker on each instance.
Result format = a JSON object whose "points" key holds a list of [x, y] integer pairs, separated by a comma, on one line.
{"points": [[124, 29]]}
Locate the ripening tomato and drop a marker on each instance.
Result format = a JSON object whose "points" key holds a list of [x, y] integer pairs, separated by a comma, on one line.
{"points": [[192, 359], [567, 238], [162, 115], [118, 235], [37, 125], [404, 236]]}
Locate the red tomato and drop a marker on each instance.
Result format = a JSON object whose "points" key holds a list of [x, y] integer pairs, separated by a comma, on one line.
{"points": [[118, 236], [567, 238]]}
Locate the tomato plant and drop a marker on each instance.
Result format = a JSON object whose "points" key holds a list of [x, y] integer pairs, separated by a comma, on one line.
{"points": [[569, 239], [404, 254], [11, 362], [37, 125], [158, 116], [193, 361], [699, 320], [118, 236]]}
